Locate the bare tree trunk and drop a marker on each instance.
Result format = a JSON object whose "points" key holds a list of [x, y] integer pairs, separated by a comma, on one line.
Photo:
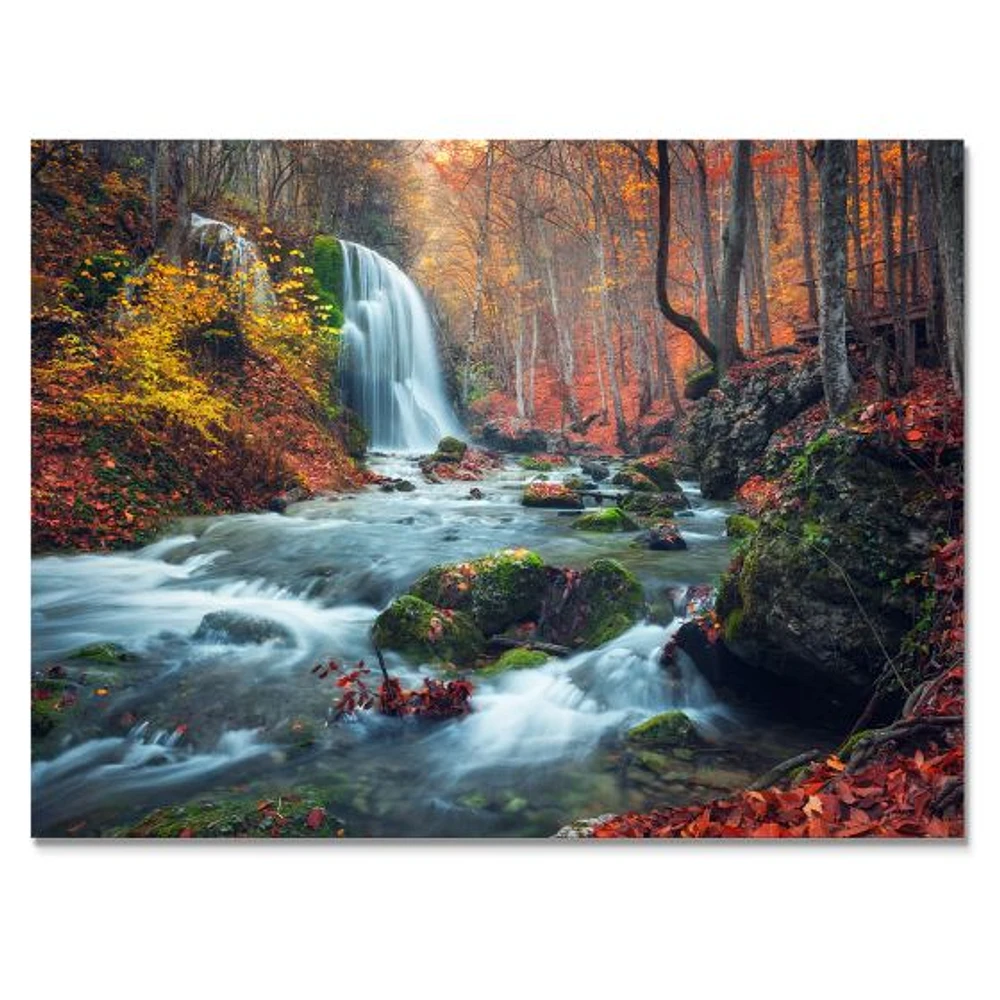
{"points": [[888, 254], [533, 363], [837, 385], [756, 253], [686, 323], [860, 264], [733, 246], [908, 343], [806, 226], [482, 248], [745, 299], [564, 340], [707, 249], [948, 171]]}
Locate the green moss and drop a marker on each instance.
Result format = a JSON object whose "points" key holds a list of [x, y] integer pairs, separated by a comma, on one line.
{"points": [[419, 630], [516, 659], [537, 464], [660, 471], [672, 728], [614, 601], [648, 505], [700, 382], [574, 482], [453, 447], [633, 479], [327, 262], [741, 526], [850, 744], [284, 815], [731, 624], [496, 590], [607, 519], [103, 652]]}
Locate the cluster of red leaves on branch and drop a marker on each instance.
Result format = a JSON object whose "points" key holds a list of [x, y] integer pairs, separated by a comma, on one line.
{"points": [[474, 465], [434, 700], [904, 796], [548, 491]]}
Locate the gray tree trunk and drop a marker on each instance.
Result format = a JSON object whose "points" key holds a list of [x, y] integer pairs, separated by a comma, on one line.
{"points": [[837, 385], [733, 246], [948, 170], [806, 227]]}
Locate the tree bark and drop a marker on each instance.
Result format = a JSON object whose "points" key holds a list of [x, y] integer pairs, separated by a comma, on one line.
{"points": [[707, 248], [482, 248], [948, 171], [837, 385], [806, 227], [733, 247]]}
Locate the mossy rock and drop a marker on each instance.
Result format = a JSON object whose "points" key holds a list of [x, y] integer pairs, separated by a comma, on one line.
{"points": [[103, 652], [538, 464], [297, 814], [419, 630], [450, 449], [602, 602], [671, 728], [552, 495], [741, 526], [655, 505], [633, 479], [496, 590], [660, 471], [699, 383], [607, 519], [517, 659], [354, 433], [574, 482]]}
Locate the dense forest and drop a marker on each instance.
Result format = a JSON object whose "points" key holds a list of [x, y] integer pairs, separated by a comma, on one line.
{"points": [[498, 488]]}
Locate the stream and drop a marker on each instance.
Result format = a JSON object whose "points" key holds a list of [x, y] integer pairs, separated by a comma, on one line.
{"points": [[193, 716]]}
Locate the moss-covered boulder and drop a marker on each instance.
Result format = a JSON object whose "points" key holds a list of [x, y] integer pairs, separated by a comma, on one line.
{"points": [[660, 471], [648, 505], [634, 479], [517, 659], [700, 382], [553, 495], [541, 463], [671, 728], [420, 630], [105, 653], [496, 591], [607, 519], [591, 607], [451, 448]]}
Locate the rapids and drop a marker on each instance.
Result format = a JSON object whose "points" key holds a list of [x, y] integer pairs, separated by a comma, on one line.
{"points": [[199, 714]]}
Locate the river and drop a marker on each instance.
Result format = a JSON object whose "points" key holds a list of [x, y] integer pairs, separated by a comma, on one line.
{"points": [[191, 717]]}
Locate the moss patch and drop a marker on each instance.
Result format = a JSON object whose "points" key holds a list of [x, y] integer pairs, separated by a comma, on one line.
{"points": [[634, 479], [607, 520], [660, 471], [741, 526], [672, 728], [103, 652], [516, 659], [554, 495]]}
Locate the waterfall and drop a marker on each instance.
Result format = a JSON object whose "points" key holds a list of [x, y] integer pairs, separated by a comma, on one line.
{"points": [[390, 375]]}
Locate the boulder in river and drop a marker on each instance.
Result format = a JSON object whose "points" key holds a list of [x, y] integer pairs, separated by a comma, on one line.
{"points": [[554, 495], [664, 537], [607, 519], [496, 590], [523, 440], [597, 471], [588, 608], [415, 628], [671, 728], [240, 629]]}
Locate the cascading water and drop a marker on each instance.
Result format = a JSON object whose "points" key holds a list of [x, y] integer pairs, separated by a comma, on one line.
{"points": [[390, 375]]}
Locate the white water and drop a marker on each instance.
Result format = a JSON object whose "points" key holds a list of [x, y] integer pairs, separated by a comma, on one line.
{"points": [[322, 571], [390, 373]]}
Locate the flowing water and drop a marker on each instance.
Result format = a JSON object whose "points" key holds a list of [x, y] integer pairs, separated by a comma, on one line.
{"points": [[198, 713], [390, 374]]}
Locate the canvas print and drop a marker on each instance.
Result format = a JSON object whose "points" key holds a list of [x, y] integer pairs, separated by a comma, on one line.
{"points": [[562, 489]]}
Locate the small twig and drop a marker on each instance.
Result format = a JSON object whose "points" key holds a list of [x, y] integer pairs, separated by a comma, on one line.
{"points": [[780, 770], [381, 663]]}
